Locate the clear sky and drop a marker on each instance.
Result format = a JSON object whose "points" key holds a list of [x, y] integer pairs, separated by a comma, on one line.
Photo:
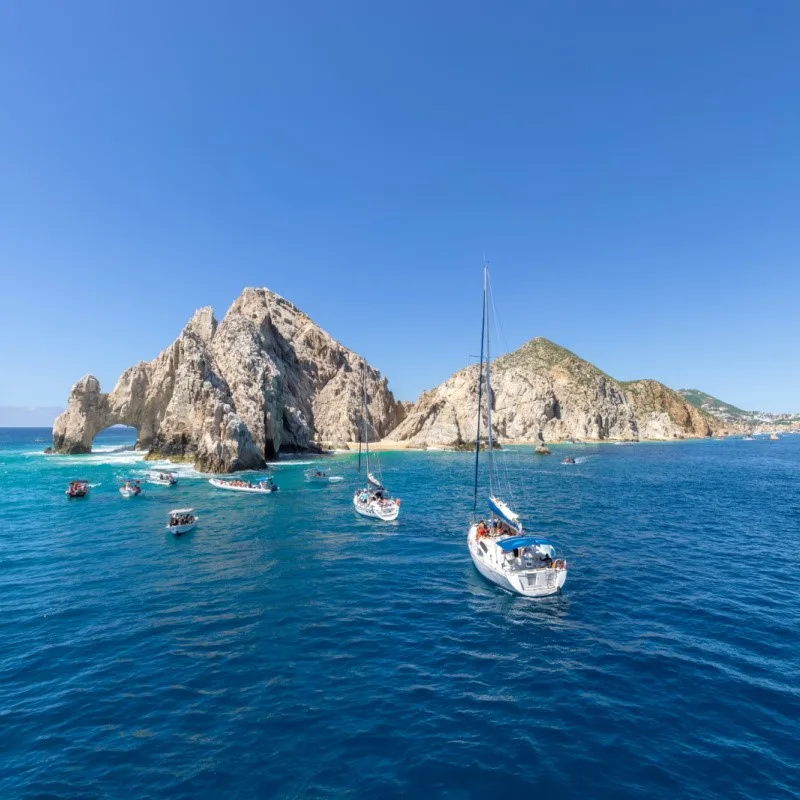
{"points": [[631, 169]]}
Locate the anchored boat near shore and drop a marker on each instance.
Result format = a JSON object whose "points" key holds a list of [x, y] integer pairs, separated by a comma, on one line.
{"points": [[131, 488], [317, 475], [500, 549], [265, 486], [181, 520], [163, 479], [374, 499], [77, 489]]}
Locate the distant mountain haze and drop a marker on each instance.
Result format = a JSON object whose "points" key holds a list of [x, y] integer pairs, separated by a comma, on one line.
{"points": [[28, 416]]}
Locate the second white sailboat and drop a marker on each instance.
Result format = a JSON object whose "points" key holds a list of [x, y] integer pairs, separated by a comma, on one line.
{"points": [[374, 499]]}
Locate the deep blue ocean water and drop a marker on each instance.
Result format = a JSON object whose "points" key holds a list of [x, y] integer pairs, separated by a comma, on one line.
{"points": [[288, 648]]}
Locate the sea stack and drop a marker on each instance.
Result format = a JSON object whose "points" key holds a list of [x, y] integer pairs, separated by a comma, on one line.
{"points": [[229, 396]]}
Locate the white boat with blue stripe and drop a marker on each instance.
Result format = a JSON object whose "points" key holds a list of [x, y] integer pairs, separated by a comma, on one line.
{"points": [[501, 550]]}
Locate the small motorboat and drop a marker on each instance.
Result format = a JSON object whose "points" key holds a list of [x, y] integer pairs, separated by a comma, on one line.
{"points": [[265, 486], [131, 488], [774, 437], [748, 439], [163, 479], [315, 475], [568, 460], [77, 489], [181, 520]]}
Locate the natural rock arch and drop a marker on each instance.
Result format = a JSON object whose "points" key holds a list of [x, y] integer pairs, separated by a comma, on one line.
{"points": [[229, 396]]}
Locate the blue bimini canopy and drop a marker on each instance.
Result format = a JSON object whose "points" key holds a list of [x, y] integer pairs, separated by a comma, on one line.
{"points": [[521, 541]]}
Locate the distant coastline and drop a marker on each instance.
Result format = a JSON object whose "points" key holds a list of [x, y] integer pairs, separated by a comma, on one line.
{"points": [[29, 416]]}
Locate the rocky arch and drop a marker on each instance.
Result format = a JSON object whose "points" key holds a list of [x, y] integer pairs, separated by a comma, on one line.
{"points": [[229, 396], [91, 411]]}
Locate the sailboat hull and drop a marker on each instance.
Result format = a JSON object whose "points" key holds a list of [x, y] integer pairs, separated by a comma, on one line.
{"points": [[386, 512], [538, 582]]}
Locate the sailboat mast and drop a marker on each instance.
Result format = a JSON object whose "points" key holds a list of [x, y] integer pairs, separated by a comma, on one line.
{"points": [[366, 413], [488, 374], [480, 397]]}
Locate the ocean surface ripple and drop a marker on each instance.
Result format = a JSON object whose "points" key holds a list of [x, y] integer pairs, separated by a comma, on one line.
{"points": [[288, 648]]}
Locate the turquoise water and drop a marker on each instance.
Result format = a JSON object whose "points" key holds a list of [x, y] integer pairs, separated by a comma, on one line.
{"points": [[288, 648]]}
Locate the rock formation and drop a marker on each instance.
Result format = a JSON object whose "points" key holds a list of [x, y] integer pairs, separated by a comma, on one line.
{"points": [[662, 413], [228, 396], [545, 392]]}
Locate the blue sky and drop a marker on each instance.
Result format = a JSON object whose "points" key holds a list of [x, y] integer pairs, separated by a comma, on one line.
{"points": [[631, 169]]}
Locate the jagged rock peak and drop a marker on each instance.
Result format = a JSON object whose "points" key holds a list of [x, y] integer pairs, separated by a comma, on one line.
{"points": [[203, 324], [229, 396]]}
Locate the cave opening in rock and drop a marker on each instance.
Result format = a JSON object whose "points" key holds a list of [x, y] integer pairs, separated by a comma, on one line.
{"points": [[115, 438]]}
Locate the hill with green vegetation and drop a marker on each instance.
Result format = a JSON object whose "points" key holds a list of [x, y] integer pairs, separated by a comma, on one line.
{"points": [[711, 404], [733, 415]]}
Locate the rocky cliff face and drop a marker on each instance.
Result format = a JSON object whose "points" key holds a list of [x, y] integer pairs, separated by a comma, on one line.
{"points": [[229, 396], [545, 391], [663, 414]]}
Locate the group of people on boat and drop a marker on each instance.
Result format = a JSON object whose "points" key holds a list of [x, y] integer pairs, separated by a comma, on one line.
{"points": [[248, 485], [181, 519], [378, 496], [495, 527], [132, 487], [77, 489]]}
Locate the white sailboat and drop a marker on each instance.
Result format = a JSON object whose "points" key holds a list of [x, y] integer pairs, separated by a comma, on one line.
{"points": [[373, 500], [500, 549]]}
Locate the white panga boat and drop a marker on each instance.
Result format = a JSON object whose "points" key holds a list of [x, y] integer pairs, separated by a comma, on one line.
{"points": [[748, 439], [373, 500], [162, 479], [316, 475], [265, 486], [181, 520], [500, 549], [131, 488], [77, 489]]}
